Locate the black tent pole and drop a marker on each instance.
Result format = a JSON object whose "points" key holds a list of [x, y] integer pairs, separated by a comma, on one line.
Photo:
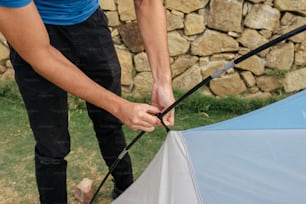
{"points": [[231, 64], [227, 66]]}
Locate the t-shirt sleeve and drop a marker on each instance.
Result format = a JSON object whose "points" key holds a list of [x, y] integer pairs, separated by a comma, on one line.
{"points": [[14, 3]]}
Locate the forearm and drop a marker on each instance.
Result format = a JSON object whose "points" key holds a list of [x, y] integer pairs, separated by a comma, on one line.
{"points": [[60, 71], [25, 31], [151, 19], [152, 23]]}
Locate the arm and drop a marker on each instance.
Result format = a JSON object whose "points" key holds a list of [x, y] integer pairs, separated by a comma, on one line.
{"points": [[152, 23], [25, 31]]}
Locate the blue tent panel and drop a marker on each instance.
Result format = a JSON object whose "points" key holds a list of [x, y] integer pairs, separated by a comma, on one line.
{"points": [[249, 167], [256, 158], [289, 113]]}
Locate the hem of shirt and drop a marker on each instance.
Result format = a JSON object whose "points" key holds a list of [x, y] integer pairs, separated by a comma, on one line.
{"points": [[71, 21], [16, 4]]}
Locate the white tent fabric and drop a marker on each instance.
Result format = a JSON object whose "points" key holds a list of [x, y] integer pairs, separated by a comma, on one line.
{"points": [[159, 181], [259, 157]]}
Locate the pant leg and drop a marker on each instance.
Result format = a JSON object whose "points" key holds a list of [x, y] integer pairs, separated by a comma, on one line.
{"points": [[98, 60], [46, 107], [102, 65], [111, 142]]}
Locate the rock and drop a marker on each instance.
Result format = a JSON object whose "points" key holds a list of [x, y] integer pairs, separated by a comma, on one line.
{"points": [[188, 79], [142, 62], [252, 39], [257, 1], [131, 37], [254, 89], [202, 36], [9, 74], [108, 5], [248, 78], [254, 64], [175, 20], [125, 59], [291, 5], [185, 6], [225, 15], [113, 18], [211, 67], [84, 191], [257, 17], [286, 19], [295, 80], [212, 42], [4, 52], [295, 23], [8, 63], [194, 24], [300, 58], [222, 56], [267, 83], [126, 10], [227, 85], [178, 45], [182, 63], [2, 69], [143, 84], [281, 57]]}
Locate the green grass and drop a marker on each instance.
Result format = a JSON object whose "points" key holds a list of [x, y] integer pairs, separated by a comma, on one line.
{"points": [[17, 178]]}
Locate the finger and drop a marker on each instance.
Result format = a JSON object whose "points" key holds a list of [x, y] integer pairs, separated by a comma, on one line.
{"points": [[153, 110], [151, 118], [168, 119], [143, 124], [143, 128], [146, 117]]}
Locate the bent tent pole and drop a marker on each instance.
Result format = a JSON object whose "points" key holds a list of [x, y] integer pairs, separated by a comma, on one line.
{"points": [[216, 74]]}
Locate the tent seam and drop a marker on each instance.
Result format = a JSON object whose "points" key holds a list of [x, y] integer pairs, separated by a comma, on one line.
{"points": [[191, 169]]}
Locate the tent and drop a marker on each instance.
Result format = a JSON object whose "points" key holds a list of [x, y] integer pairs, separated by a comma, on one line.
{"points": [[256, 158]]}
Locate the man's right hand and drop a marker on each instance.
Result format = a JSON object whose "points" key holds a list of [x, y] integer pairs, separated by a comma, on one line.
{"points": [[139, 116]]}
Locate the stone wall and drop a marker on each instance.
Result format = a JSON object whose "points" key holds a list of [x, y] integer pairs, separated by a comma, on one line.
{"points": [[205, 34]]}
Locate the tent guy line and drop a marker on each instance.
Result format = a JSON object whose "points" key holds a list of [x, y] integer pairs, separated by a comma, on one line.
{"points": [[216, 74]]}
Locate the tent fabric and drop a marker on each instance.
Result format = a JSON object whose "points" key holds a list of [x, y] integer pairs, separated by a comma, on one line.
{"points": [[159, 183], [289, 113], [255, 158], [258, 166]]}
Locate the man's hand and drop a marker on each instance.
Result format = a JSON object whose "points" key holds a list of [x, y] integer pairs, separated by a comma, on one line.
{"points": [[162, 97], [155, 39], [138, 116]]}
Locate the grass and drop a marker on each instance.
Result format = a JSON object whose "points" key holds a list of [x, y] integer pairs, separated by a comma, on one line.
{"points": [[17, 178]]}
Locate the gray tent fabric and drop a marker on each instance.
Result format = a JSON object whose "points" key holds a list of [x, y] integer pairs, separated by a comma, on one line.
{"points": [[259, 157], [168, 178]]}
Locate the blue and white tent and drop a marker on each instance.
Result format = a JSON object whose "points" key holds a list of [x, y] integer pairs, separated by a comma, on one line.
{"points": [[256, 158]]}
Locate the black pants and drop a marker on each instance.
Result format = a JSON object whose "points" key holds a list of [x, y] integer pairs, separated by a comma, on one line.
{"points": [[88, 45]]}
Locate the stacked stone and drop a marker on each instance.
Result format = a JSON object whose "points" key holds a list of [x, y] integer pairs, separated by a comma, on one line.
{"points": [[6, 71], [203, 35]]}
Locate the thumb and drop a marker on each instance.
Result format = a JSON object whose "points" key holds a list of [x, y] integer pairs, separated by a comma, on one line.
{"points": [[153, 110]]}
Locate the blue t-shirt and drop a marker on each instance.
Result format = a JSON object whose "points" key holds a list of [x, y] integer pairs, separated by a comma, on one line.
{"points": [[59, 12], [14, 3]]}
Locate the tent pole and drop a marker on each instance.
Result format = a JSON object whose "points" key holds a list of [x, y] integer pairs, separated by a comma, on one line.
{"points": [[231, 64], [227, 66]]}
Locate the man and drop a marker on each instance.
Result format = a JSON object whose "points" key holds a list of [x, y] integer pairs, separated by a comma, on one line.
{"points": [[65, 46]]}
